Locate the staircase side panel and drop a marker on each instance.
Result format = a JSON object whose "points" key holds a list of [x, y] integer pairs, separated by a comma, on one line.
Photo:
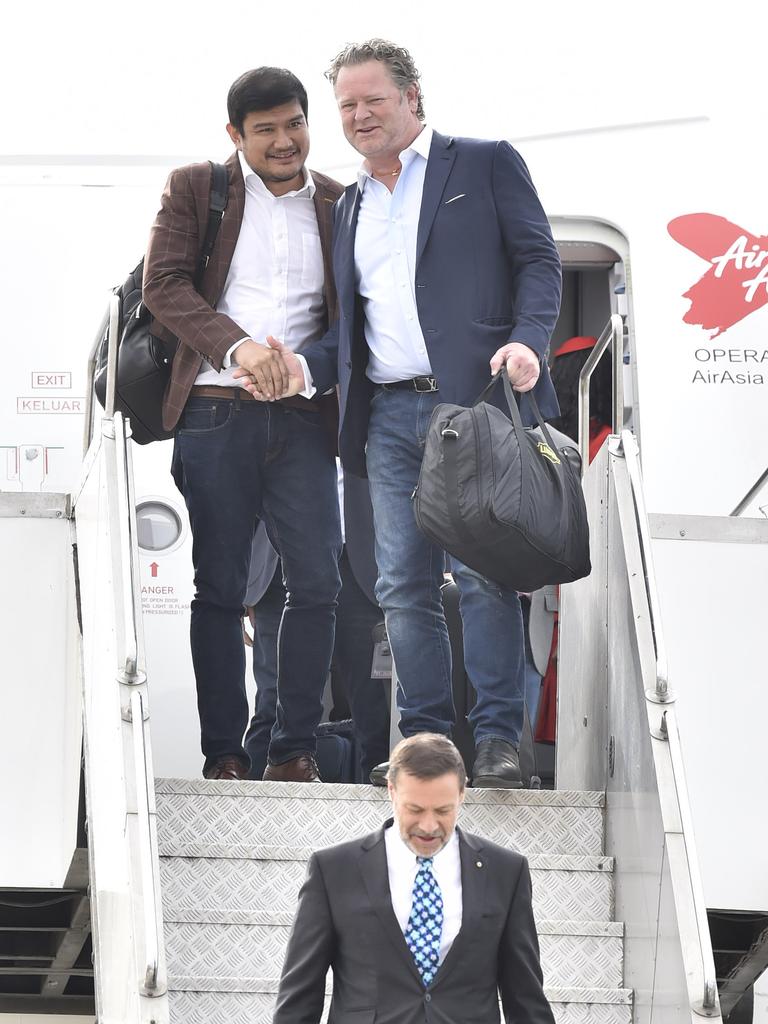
{"points": [[662, 960], [40, 722], [581, 753]]}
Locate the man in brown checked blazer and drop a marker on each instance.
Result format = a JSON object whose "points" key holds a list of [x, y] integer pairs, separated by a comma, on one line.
{"points": [[238, 461]]}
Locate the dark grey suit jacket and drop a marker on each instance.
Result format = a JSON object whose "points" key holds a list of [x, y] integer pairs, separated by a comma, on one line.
{"points": [[345, 921]]}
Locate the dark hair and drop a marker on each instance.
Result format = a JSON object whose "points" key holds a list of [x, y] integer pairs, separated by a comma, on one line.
{"points": [[427, 755], [262, 89], [398, 61]]}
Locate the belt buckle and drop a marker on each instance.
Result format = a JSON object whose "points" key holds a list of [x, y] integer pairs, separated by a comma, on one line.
{"points": [[431, 383]]}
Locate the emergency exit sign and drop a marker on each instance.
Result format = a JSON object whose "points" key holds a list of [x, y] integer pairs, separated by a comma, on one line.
{"points": [[61, 379]]}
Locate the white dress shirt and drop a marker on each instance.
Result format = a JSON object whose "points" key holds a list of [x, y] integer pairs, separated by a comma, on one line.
{"points": [[275, 283], [385, 267], [446, 867]]}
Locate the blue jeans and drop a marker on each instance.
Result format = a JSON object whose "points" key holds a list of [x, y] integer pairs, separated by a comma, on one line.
{"points": [[408, 590], [237, 461]]}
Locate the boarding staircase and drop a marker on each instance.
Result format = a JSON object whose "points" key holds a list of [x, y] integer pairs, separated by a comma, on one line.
{"points": [[193, 883], [233, 855]]}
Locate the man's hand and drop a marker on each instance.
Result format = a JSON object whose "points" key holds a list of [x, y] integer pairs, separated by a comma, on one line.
{"points": [[265, 368], [292, 379], [522, 365]]}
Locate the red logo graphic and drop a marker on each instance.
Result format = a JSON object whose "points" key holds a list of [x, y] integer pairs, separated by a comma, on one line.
{"points": [[736, 283]]}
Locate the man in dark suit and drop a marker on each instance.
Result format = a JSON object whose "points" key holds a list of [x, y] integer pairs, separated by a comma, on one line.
{"points": [[235, 460], [419, 921], [446, 271]]}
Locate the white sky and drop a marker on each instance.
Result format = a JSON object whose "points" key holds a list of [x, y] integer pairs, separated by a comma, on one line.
{"points": [[151, 77]]}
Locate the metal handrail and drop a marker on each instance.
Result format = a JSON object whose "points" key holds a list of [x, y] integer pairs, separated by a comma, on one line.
{"points": [[708, 1001], [753, 490], [663, 695], [112, 321], [90, 374], [629, 450], [114, 324], [612, 334], [149, 906], [129, 672]]}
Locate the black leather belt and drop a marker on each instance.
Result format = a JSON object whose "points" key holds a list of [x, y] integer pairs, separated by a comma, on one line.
{"points": [[219, 391], [423, 384]]}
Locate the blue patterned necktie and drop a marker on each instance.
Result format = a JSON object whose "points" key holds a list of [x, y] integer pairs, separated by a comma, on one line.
{"points": [[425, 925]]}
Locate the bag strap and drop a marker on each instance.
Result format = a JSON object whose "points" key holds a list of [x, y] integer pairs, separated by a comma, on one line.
{"points": [[514, 409], [217, 204]]}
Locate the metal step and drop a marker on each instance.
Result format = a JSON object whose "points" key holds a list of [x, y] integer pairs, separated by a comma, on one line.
{"points": [[237, 886], [286, 814], [200, 1001], [572, 953]]}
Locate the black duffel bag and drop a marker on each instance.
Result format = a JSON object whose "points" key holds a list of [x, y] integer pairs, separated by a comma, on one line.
{"points": [[503, 499]]}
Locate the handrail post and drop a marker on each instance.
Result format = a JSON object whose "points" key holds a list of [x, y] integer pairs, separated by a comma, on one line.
{"points": [[114, 323], [151, 970], [129, 671], [612, 334], [90, 378]]}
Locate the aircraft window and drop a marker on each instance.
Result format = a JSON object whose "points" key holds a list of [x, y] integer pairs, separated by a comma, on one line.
{"points": [[158, 526]]}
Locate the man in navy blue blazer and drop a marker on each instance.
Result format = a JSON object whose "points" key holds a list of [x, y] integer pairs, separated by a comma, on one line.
{"points": [[446, 271]]}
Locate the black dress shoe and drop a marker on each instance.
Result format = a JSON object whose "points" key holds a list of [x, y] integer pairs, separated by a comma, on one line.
{"points": [[378, 776], [497, 765]]}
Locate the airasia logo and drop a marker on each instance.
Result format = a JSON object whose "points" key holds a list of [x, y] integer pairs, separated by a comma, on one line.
{"points": [[736, 283]]}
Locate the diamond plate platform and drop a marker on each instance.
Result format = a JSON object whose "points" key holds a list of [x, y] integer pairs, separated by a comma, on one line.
{"points": [[280, 814], [233, 857]]}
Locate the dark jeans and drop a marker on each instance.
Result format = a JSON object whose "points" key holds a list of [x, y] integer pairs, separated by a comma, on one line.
{"points": [[351, 665], [237, 461]]}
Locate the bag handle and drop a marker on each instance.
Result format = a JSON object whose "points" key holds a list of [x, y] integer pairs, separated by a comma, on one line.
{"points": [[514, 409]]}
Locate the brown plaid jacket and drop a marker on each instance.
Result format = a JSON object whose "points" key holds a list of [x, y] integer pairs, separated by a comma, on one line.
{"points": [[179, 310]]}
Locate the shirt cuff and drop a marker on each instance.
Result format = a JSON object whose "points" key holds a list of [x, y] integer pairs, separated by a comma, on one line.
{"points": [[309, 387], [227, 360]]}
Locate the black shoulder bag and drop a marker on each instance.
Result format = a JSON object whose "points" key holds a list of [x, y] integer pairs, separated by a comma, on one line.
{"points": [[144, 361]]}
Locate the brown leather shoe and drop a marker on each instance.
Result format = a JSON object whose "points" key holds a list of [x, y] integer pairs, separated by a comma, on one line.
{"points": [[299, 769], [227, 767]]}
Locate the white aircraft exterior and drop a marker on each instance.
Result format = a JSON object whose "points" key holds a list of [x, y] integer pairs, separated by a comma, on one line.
{"points": [[645, 134]]}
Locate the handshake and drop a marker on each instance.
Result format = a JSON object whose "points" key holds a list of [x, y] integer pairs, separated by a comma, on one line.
{"points": [[270, 371]]}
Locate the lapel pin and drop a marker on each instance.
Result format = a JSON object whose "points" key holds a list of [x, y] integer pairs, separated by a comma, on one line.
{"points": [[479, 863]]}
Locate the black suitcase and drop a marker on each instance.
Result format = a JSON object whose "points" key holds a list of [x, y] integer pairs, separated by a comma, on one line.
{"points": [[338, 758]]}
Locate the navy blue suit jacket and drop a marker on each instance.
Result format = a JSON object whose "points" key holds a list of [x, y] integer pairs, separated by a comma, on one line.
{"points": [[487, 273]]}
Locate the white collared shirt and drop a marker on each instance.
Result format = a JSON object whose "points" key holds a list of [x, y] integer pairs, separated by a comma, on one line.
{"points": [[446, 867], [275, 283], [385, 267]]}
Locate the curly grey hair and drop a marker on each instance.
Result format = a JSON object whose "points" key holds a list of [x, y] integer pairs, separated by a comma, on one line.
{"points": [[398, 61]]}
